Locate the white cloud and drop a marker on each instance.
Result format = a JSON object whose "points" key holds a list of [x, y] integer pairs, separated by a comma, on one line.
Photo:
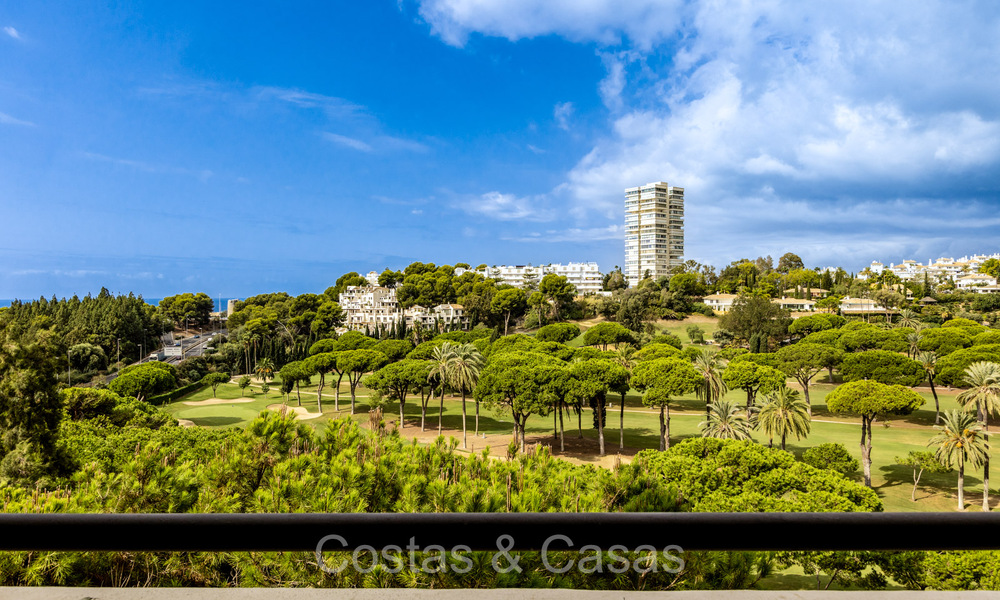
{"points": [[377, 143], [645, 22], [12, 32], [505, 207], [347, 142], [146, 167], [573, 234], [6, 119], [338, 107], [851, 112], [562, 113]]}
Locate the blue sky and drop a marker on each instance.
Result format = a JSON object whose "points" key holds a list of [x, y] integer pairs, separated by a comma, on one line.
{"points": [[234, 148]]}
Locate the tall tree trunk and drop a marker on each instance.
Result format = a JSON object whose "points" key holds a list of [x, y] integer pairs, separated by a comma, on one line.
{"points": [[805, 392], [465, 435], [621, 425], [937, 404], [916, 480], [506, 322], [441, 410], [600, 425], [402, 403], [986, 462], [298, 396], [336, 393], [961, 485], [579, 423], [866, 459], [477, 416], [423, 407], [830, 371], [562, 431], [783, 440], [663, 428], [319, 393]]}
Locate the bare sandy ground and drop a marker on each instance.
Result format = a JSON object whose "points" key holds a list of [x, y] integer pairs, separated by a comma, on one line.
{"points": [[300, 413], [578, 451], [212, 401], [185, 422]]}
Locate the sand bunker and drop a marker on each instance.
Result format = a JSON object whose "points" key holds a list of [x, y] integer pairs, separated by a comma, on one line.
{"points": [[299, 412], [211, 401], [185, 422]]}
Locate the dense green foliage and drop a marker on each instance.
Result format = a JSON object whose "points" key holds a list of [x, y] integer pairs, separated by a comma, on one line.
{"points": [[116, 324], [743, 476], [188, 308], [145, 380]]}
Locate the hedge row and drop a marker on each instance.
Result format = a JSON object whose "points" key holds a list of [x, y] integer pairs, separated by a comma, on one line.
{"points": [[184, 390]]}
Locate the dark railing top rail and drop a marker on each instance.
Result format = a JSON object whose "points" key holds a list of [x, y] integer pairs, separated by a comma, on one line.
{"points": [[481, 531]]}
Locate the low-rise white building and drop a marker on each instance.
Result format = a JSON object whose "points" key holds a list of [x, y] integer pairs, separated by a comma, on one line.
{"points": [[795, 304], [974, 280], [585, 277], [861, 306], [936, 270], [374, 307], [720, 303]]}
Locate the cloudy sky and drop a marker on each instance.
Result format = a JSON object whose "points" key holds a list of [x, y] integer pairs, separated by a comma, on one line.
{"points": [[233, 148]]}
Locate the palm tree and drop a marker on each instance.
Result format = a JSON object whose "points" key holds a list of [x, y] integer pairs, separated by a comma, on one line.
{"points": [[709, 365], [959, 442], [726, 421], [912, 344], [984, 395], [907, 318], [928, 360], [463, 373], [624, 356], [264, 369], [441, 357], [783, 413]]}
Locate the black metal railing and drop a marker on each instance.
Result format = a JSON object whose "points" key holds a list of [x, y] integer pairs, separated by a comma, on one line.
{"points": [[480, 531]]}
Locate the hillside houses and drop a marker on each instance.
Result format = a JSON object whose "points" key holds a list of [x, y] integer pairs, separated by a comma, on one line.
{"points": [[376, 307]]}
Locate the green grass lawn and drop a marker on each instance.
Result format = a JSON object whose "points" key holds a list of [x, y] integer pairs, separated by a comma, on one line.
{"points": [[895, 437]]}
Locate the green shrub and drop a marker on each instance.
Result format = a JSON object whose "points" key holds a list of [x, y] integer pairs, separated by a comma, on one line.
{"points": [[831, 456]]}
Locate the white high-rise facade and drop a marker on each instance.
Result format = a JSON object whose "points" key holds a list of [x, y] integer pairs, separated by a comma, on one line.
{"points": [[654, 230]]}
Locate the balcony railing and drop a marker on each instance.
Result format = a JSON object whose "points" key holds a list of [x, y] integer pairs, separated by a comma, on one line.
{"points": [[480, 531]]}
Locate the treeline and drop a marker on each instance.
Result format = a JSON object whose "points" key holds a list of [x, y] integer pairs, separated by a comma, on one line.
{"points": [[96, 330]]}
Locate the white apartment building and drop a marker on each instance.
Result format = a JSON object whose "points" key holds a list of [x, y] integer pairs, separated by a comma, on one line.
{"points": [[937, 271], [586, 277], [445, 315], [974, 280], [654, 230], [860, 306], [371, 307]]}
